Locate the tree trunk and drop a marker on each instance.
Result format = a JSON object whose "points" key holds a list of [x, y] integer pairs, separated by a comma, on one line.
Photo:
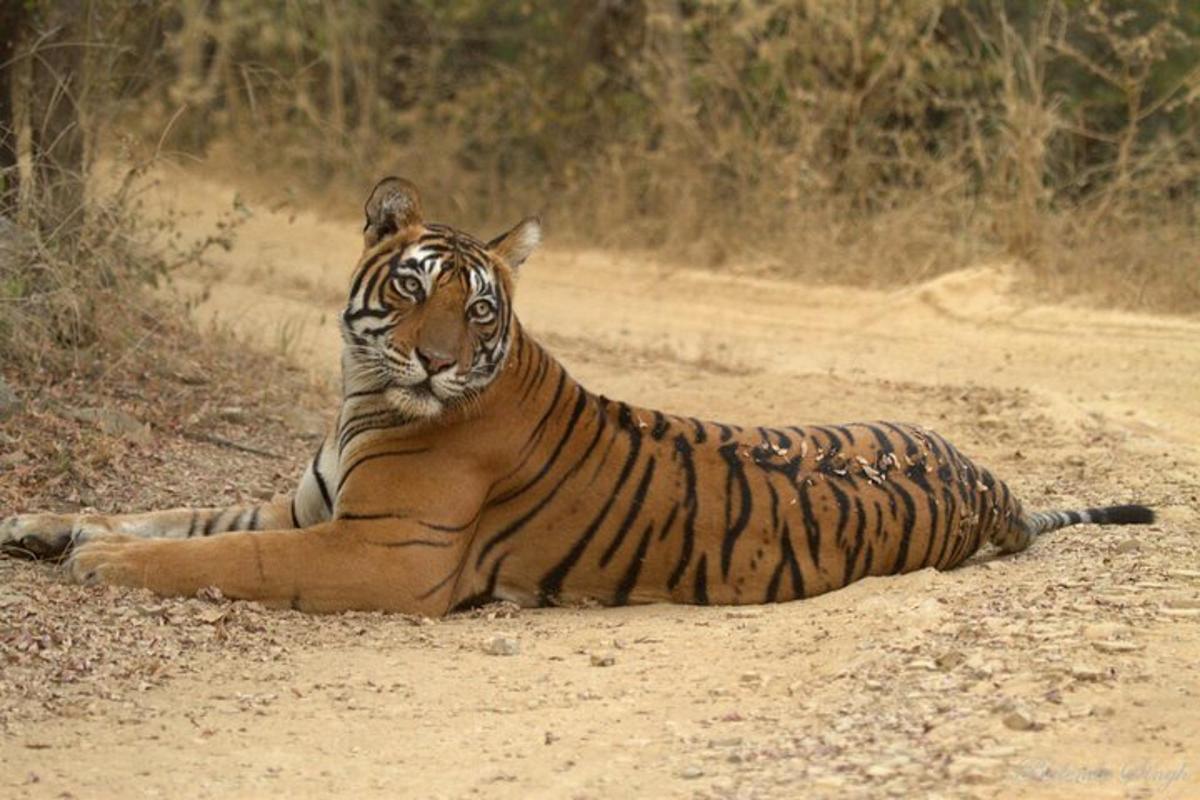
{"points": [[12, 22], [58, 142]]}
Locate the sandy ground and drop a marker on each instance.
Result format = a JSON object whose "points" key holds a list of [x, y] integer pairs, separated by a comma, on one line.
{"points": [[1070, 670]]}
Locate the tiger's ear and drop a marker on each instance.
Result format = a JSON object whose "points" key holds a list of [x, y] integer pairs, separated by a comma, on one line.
{"points": [[394, 205], [515, 245]]}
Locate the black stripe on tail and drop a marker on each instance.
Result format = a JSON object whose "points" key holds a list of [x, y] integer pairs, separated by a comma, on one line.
{"points": [[1045, 521]]}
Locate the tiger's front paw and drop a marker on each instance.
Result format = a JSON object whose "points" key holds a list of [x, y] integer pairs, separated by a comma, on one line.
{"points": [[48, 535], [114, 559]]}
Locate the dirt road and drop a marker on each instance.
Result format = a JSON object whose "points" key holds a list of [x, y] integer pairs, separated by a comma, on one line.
{"points": [[1070, 670]]}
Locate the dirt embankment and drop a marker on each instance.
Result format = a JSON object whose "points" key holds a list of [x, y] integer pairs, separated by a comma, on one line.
{"points": [[1066, 671]]}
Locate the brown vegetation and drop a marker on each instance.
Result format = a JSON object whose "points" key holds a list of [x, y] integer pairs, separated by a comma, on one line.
{"points": [[872, 143]]}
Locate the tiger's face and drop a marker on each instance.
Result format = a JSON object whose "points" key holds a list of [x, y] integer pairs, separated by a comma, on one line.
{"points": [[429, 318]]}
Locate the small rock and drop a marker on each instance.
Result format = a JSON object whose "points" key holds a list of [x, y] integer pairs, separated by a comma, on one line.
{"points": [[1106, 630], [1128, 546], [977, 667], [9, 402], [603, 660], [10, 598], [752, 680], [691, 772], [1185, 613], [1086, 672], [743, 613], [1020, 720], [212, 615], [1116, 646], [309, 424], [14, 458], [114, 423], [234, 414], [973, 769], [950, 659], [189, 374], [726, 741], [502, 646]]}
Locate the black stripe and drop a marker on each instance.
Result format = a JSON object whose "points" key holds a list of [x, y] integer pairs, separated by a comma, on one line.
{"points": [[372, 457], [210, 526], [691, 502], [551, 583], [515, 526], [789, 556], [910, 517], [734, 526], [666, 526], [885, 444], [350, 516], [859, 531], [364, 393], [488, 594], [191, 531], [843, 506], [661, 426], [635, 508], [316, 468], [362, 272], [568, 432], [700, 590], [629, 579], [448, 528], [812, 526]]}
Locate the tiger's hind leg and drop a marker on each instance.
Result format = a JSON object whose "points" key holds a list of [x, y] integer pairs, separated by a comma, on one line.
{"points": [[52, 535]]}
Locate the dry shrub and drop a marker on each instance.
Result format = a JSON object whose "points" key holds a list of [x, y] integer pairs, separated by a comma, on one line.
{"points": [[870, 143], [874, 143], [77, 255]]}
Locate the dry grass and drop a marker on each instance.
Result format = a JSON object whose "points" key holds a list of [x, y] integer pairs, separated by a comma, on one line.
{"points": [[866, 143]]}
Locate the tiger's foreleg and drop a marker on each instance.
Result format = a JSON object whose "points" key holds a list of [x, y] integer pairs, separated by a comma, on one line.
{"points": [[51, 535], [390, 565]]}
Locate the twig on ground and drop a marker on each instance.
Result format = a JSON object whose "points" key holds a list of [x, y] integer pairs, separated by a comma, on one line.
{"points": [[221, 441]]}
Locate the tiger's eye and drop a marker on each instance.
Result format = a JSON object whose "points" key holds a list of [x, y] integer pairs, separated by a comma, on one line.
{"points": [[481, 309], [410, 285]]}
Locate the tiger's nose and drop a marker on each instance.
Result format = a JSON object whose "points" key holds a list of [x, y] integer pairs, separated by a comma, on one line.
{"points": [[434, 361]]}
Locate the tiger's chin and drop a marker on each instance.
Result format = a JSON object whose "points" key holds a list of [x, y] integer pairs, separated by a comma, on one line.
{"points": [[416, 402]]}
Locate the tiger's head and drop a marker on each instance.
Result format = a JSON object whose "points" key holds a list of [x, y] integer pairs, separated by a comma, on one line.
{"points": [[429, 318]]}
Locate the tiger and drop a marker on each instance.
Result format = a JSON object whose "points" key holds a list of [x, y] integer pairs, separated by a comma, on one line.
{"points": [[467, 466]]}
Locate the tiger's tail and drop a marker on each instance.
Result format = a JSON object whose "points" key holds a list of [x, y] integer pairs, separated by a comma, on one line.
{"points": [[1031, 525]]}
